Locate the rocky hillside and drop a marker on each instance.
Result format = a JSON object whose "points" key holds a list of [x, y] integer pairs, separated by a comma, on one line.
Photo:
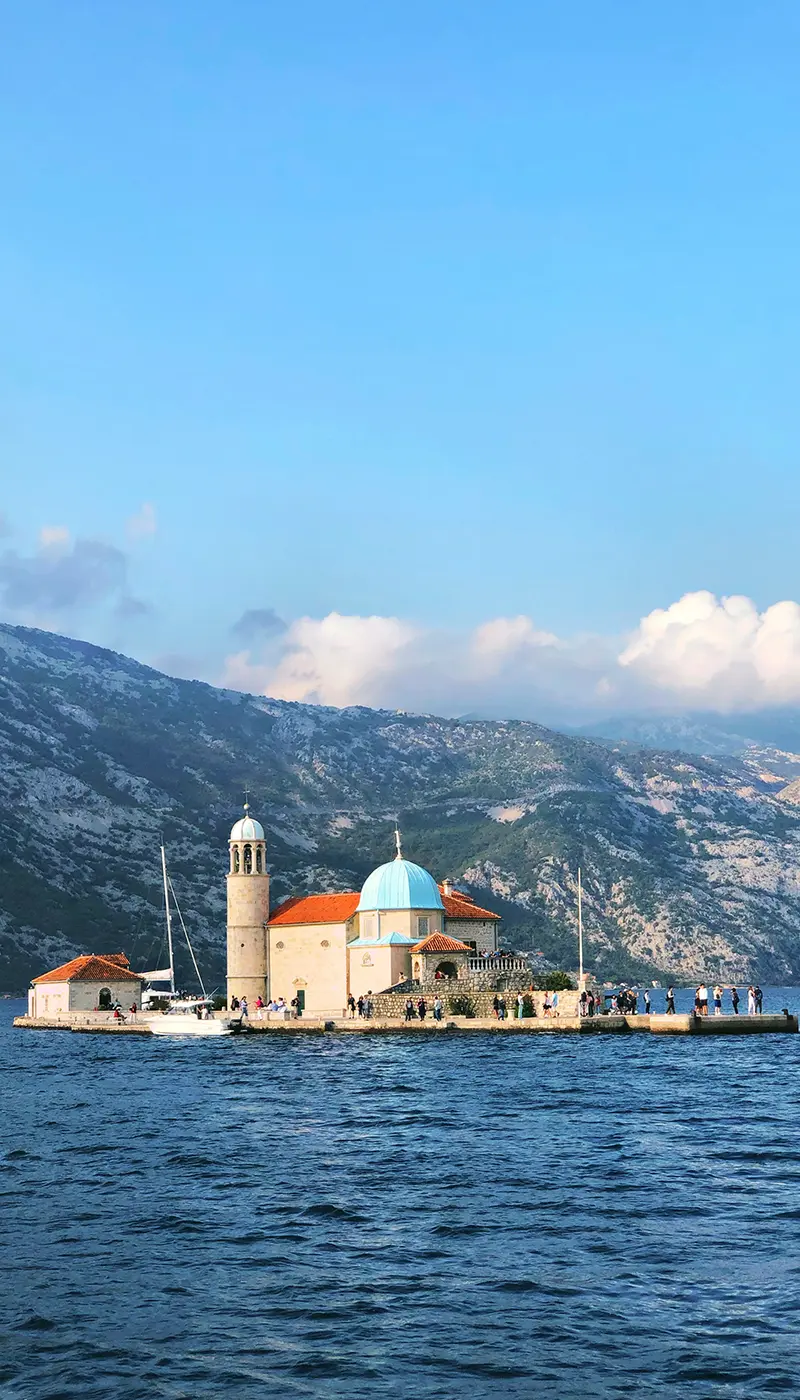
{"points": [[689, 863]]}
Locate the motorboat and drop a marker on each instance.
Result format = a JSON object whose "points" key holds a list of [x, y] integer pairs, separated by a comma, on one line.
{"points": [[186, 1017]]}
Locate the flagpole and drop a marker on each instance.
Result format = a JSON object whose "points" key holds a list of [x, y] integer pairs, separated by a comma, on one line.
{"points": [[580, 930]]}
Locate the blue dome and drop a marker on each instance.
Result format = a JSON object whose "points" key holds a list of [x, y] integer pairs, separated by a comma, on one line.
{"points": [[400, 884]]}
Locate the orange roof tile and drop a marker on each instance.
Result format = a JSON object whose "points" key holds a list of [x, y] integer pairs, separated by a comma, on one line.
{"points": [[461, 906], [90, 967], [316, 909], [440, 943]]}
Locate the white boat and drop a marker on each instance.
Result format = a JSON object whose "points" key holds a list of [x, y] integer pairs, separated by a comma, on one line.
{"points": [[182, 1015], [182, 1018]]}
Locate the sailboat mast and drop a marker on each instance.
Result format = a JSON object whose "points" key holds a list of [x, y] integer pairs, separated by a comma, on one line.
{"points": [[169, 919]]}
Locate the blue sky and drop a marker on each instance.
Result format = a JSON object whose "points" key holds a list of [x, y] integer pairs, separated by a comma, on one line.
{"points": [[444, 312]]}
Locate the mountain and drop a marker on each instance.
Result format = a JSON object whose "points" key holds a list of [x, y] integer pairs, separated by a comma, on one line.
{"points": [[689, 863], [767, 738]]}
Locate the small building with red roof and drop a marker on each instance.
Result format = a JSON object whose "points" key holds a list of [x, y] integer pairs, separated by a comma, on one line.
{"points": [[440, 957], [91, 982]]}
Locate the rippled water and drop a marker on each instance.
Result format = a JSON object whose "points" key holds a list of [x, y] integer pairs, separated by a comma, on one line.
{"points": [[370, 1217]]}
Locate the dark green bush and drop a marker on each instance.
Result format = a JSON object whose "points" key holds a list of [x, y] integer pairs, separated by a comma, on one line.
{"points": [[462, 1006], [554, 982]]}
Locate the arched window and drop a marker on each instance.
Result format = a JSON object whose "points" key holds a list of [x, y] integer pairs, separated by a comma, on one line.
{"points": [[248, 860], [104, 1001], [236, 860], [258, 860]]}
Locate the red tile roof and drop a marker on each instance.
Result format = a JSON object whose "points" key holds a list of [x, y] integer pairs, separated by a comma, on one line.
{"points": [[460, 906], [440, 943], [315, 909], [92, 968]]}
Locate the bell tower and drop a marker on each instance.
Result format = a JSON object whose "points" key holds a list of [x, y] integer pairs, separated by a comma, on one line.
{"points": [[248, 911]]}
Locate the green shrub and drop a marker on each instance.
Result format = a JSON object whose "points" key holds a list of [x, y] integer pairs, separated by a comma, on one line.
{"points": [[528, 1008], [462, 1006], [555, 982]]}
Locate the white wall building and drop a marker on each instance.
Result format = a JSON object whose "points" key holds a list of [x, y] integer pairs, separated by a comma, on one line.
{"points": [[88, 983]]}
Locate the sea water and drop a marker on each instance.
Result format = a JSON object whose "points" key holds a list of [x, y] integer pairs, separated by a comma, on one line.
{"points": [[457, 1216]]}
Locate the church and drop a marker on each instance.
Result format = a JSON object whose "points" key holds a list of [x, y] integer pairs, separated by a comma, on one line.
{"points": [[322, 948]]}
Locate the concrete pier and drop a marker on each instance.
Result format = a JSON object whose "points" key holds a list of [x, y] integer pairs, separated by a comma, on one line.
{"points": [[771, 1023]]}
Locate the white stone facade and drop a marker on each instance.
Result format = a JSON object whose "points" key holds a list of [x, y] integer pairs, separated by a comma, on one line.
{"points": [[52, 998]]}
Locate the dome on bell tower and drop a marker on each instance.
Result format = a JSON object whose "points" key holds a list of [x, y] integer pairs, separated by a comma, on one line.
{"points": [[247, 828]]}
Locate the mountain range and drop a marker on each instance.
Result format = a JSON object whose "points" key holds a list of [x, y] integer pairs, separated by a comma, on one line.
{"points": [[688, 849]]}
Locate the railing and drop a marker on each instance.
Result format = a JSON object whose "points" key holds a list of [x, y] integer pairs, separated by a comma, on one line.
{"points": [[498, 963]]}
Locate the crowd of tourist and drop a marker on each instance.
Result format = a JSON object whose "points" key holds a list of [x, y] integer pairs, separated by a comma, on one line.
{"points": [[626, 1001]]}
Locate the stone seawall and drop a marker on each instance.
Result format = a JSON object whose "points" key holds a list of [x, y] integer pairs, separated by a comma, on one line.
{"points": [[532, 1025]]}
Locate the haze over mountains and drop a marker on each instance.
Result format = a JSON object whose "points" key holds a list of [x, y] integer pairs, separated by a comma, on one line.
{"points": [[689, 850]]}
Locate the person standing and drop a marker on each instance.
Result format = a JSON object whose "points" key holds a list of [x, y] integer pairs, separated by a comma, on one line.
{"points": [[646, 1002], [702, 998], [735, 1001], [244, 1014], [437, 1009], [496, 1005], [751, 1001], [422, 1008], [670, 1001], [360, 1006], [502, 1009], [351, 1006], [520, 1006], [759, 996], [547, 1005], [368, 1007], [409, 1010], [717, 1001]]}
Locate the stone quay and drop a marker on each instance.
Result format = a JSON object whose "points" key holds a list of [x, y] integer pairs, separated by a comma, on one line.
{"points": [[769, 1023]]}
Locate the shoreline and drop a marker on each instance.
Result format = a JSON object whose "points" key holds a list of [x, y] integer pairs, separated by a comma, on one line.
{"points": [[768, 1023]]}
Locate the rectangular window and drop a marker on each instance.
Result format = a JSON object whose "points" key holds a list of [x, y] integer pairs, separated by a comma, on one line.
{"points": [[423, 926]]}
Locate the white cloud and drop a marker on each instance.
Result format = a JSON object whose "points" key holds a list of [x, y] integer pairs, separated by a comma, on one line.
{"points": [[334, 660], [701, 652], [143, 523], [719, 652], [54, 537]]}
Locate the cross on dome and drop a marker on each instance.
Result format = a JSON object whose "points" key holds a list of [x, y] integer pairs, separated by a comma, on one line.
{"points": [[399, 855]]}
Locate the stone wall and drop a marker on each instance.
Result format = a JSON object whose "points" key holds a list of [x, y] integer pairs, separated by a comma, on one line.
{"points": [[488, 980], [392, 1004]]}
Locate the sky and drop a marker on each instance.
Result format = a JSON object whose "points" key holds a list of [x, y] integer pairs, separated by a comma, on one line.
{"points": [[433, 354]]}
